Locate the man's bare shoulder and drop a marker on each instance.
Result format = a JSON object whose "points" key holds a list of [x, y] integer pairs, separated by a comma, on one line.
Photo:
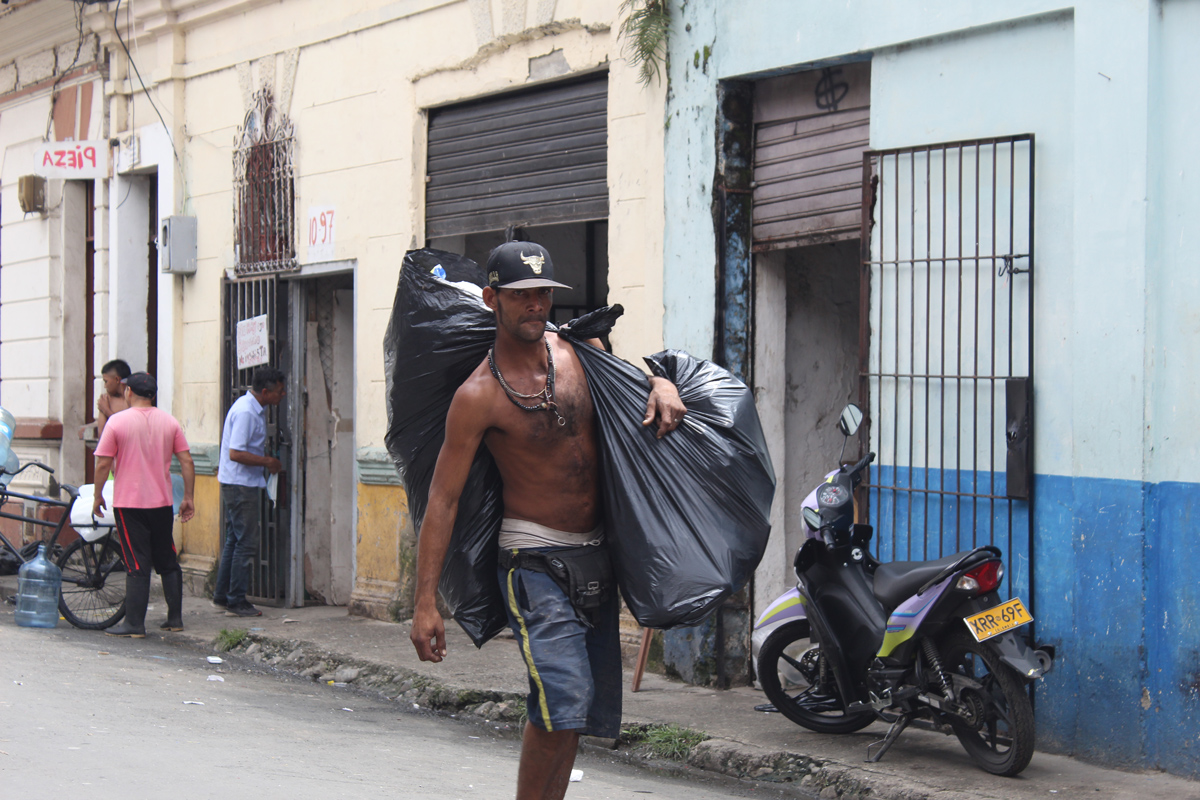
{"points": [[477, 395]]}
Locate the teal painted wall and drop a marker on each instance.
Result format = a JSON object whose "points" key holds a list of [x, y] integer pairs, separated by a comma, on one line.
{"points": [[1109, 91]]}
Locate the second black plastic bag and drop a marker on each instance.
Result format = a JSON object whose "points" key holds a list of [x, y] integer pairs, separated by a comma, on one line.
{"points": [[687, 516]]}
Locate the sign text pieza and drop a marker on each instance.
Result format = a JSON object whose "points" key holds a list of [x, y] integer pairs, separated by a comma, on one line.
{"points": [[79, 160]]}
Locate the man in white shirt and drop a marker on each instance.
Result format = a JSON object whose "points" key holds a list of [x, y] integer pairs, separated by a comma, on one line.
{"points": [[243, 477]]}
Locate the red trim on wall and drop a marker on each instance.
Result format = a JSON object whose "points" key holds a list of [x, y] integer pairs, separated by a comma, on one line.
{"points": [[38, 428], [72, 75]]}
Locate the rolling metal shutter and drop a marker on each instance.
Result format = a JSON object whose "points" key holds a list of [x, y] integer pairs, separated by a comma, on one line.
{"points": [[525, 159], [810, 130]]}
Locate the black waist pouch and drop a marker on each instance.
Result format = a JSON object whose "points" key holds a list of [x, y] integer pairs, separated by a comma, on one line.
{"points": [[585, 574]]}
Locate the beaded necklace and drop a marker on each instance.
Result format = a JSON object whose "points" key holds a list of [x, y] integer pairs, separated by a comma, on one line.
{"points": [[546, 394]]}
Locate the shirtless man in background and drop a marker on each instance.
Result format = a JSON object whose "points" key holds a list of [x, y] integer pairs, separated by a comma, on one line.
{"points": [[113, 399], [530, 404]]}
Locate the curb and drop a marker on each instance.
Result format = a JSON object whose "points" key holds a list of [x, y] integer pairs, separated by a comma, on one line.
{"points": [[780, 772]]}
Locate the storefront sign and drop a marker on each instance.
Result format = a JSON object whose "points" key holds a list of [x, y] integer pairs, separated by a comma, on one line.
{"points": [[252, 347], [78, 160]]}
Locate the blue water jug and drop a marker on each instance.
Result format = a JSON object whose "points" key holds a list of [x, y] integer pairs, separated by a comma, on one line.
{"points": [[8, 424], [38, 586]]}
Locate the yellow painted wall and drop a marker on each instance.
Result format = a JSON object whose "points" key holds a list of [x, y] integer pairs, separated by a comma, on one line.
{"points": [[201, 536], [385, 554]]}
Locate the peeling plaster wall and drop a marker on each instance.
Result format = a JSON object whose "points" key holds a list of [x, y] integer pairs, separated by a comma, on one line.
{"points": [[42, 286], [1117, 483]]}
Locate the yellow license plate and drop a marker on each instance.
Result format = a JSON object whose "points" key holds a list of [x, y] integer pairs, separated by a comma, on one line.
{"points": [[996, 621]]}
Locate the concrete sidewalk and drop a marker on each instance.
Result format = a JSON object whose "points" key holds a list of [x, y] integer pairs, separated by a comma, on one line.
{"points": [[327, 645]]}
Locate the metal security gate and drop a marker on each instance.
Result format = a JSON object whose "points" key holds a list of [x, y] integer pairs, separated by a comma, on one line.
{"points": [[946, 349], [245, 299], [530, 158]]}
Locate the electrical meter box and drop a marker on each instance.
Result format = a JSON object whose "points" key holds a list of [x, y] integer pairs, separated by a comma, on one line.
{"points": [[177, 245]]}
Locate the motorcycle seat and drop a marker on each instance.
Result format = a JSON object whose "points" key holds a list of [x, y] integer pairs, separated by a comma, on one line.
{"points": [[897, 581]]}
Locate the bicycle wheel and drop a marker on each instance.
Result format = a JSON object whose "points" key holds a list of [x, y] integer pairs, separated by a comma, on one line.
{"points": [[789, 669], [93, 584]]}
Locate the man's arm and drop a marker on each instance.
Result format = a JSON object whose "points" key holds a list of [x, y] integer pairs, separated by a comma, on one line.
{"points": [[465, 426], [273, 465], [664, 402], [103, 467], [187, 468], [103, 412]]}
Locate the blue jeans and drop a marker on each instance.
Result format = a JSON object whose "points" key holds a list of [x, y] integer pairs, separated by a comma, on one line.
{"points": [[574, 671], [243, 514]]}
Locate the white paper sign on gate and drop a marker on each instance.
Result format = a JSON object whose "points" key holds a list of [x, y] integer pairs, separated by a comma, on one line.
{"points": [[252, 342]]}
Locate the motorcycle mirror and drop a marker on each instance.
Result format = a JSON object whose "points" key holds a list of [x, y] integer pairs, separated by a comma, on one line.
{"points": [[850, 420], [812, 518]]}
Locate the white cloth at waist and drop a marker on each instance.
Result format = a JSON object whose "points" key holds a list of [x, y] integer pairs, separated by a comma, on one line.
{"points": [[520, 534]]}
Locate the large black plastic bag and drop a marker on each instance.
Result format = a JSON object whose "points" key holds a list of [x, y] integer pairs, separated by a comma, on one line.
{"points": [[439, 332], [686, 515]]}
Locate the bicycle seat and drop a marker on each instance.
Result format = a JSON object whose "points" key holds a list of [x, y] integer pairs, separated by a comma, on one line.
{"points": [[896, 581], [70, 489]]}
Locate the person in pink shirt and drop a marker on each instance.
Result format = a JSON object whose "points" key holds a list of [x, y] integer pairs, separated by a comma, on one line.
{"points": [[137, 446]]}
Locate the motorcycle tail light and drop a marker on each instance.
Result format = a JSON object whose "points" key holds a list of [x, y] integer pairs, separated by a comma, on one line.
{"points": [[983, 578]]}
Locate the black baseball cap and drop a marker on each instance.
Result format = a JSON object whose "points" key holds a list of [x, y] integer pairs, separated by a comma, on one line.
{"points": [[521, 265], [142, 384]]}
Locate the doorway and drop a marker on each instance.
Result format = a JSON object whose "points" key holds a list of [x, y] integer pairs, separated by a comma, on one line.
{"points": [[273, 566], [325, 377]]}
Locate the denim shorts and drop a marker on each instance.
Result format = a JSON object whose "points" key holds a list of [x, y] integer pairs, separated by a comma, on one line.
{"points": [[574, 670]]}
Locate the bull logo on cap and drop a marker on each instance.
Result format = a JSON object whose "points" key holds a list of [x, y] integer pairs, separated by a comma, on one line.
{"points": [[534, 262]]}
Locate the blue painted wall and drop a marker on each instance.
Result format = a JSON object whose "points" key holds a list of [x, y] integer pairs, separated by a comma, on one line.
{"points": [[1109, 91], [1117, 594]]}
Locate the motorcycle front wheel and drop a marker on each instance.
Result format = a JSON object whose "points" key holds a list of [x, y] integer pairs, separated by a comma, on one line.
{"points": [[790, 671], [997, 729]]}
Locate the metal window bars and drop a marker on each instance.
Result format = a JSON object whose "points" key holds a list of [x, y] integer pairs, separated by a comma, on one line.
{"points": [[946, 320], [264, 191]]}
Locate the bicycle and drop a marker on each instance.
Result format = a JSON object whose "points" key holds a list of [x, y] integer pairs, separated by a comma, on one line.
{"points": [[93, 571]]}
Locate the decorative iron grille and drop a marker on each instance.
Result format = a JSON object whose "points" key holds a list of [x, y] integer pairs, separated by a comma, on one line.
{"points": [[264, 205]]}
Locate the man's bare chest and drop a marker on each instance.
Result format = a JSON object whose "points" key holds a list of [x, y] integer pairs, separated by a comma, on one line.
{"points": [[562, 414]]}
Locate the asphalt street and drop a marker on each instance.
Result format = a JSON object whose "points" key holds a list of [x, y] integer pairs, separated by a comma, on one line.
{"points": [[101, 717]]}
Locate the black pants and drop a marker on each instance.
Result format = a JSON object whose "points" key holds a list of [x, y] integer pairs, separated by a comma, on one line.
{"points": [[145, 538]]}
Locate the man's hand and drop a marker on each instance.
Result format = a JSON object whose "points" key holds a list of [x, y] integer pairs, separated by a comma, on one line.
{"points": [[428, 634], [274, 465], [98, 504], [187, 509], [664, 403]]}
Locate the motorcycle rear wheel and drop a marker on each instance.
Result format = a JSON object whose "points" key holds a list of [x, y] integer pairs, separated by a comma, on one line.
{"points": [[1000, 738], [789, 671]]}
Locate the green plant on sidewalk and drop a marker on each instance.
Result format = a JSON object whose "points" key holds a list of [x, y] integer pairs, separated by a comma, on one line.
{"points": [[671, 741], [228, 639]]}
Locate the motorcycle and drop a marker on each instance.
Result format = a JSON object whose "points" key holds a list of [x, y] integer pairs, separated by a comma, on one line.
{"points": [[921, 643]]}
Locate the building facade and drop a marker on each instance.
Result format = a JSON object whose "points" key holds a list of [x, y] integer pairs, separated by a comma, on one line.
{"points": [[51, 104], [973, 219], [268, 166]]}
